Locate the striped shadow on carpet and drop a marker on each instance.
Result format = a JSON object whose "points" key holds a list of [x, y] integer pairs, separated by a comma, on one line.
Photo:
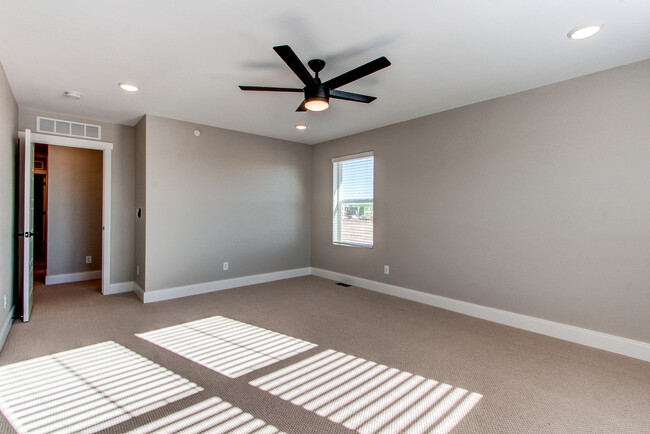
{"points": [[229, 347], [86, 390], [367, 397], [212, 415]]}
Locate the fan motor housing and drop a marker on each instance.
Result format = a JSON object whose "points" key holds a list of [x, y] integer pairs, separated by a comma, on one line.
{"points": [[320, 92]]}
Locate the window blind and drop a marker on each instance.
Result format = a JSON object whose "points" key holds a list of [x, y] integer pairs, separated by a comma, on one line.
{"points": [[353, 181]]}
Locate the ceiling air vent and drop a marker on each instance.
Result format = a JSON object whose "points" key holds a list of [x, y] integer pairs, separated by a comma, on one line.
{"points": [[67, 128]]}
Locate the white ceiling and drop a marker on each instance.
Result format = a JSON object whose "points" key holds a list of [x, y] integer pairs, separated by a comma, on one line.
{"points": [[189, 56]]}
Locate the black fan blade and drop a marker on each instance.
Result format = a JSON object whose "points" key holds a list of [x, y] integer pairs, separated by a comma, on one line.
{"points": [[348, 96], [357, 73], [301, 107], [270, 89], [295, 64]]}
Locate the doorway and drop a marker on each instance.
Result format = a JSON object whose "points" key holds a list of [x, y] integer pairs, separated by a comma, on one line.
{"points": [[29, 139], [67, 214]]}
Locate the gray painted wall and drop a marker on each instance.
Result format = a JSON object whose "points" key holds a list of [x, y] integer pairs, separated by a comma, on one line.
{"points": [[8, 140], [122, 181], [74, 210], [223, 196], [536, 203], [140, 201]]}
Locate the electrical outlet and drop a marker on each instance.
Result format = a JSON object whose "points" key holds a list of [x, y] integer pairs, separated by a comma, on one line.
{"points": [[89, 259], [137, 270], [225, 266], [386, 269]]}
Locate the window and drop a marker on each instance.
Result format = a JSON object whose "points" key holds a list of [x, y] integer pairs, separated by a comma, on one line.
{"points": [[353, 199]]}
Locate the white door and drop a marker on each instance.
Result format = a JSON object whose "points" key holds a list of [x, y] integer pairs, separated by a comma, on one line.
{"points": [[26, 221]]}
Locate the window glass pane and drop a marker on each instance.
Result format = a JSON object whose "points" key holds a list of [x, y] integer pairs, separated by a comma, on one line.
{"points": [[353, 207]]}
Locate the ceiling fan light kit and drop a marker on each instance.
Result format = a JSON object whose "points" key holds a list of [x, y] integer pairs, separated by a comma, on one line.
{"points": [[317, 99], [316, 104], [317, 93]]}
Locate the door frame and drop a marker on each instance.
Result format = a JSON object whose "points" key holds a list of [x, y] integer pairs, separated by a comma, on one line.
{"points": [[106, 148]]}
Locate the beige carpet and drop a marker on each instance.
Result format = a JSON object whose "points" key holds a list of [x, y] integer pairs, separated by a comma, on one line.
{"points": [[530, 383]]}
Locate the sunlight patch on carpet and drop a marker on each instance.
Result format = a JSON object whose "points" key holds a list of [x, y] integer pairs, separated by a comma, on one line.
{"points": [[86, 389], [213, 415], [368, 397], [229, 347]]}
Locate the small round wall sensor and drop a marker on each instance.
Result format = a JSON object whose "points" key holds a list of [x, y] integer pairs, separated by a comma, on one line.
{"points": [[76, 96], [197, 133]]}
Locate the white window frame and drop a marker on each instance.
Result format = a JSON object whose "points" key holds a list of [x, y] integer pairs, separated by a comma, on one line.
{"points": [[336, 202]]}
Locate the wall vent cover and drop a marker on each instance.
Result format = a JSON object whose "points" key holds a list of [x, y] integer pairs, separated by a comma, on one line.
{"points": [[67, 128]]}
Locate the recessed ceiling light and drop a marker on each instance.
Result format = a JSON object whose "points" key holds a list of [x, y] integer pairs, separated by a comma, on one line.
{"points": [[583, 32], [75, 96], [129, 87], [301, 127]]}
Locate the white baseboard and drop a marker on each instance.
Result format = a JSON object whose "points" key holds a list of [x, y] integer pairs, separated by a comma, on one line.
{"points": [[615, 344], [138, 291], [219, 285], [6, 326], [118, 288], [73, 277]]}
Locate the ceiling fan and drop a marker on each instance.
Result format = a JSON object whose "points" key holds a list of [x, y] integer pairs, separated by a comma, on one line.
{"points": [[317, 93]]}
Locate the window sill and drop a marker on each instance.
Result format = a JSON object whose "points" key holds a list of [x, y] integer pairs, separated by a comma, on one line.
{"points": [[358, 246]]}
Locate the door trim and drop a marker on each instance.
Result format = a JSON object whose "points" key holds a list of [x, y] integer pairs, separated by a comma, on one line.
{"points": [[106, 148]]}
